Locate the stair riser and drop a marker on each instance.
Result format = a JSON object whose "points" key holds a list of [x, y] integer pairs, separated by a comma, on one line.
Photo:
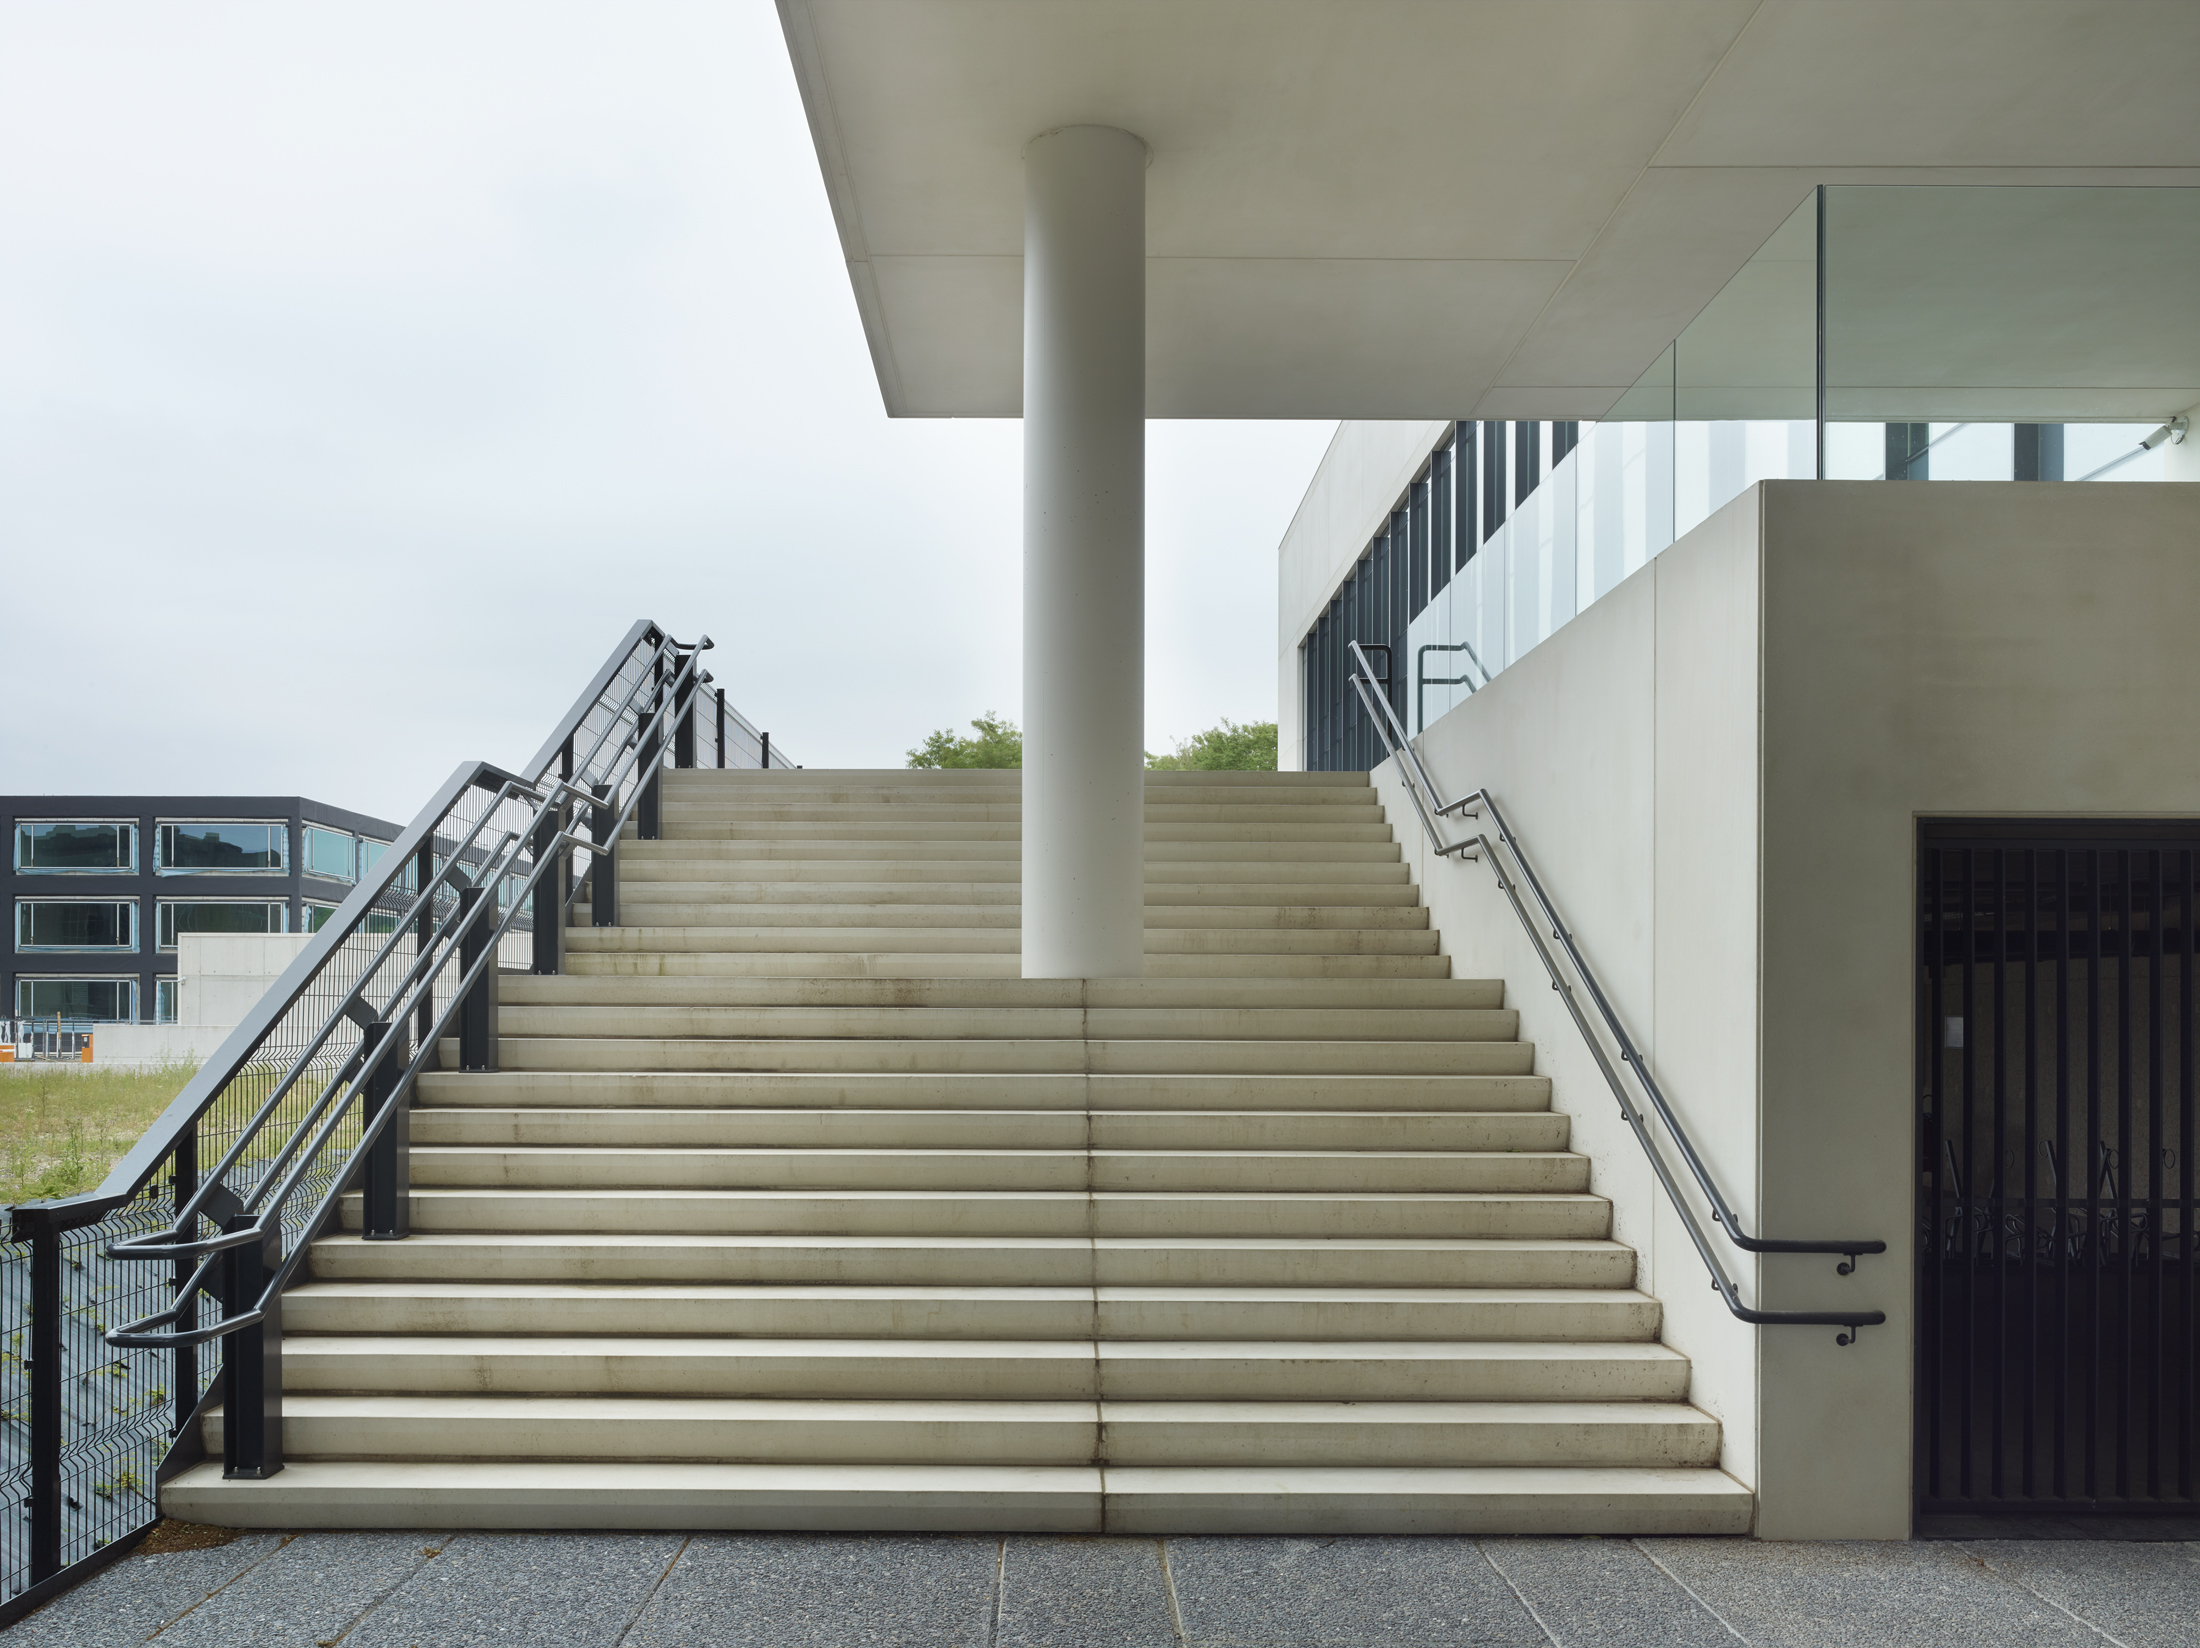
{"points": [[1218, 942], [568, 1089], [985, 966], [1296, 1024], [824, 846], [719, 893], [883, 1056], [947, 1372], [1296, 995], [1006, 872], [732, 817], [1066, 1170], [982, 1130], [1069, 1262], [1156, 830], [315, 1309], [968, 1213], [1048, 1435], [637, 909]]}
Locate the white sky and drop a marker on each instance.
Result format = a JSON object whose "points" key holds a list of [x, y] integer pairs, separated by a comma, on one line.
{"points": [[367, 368]]}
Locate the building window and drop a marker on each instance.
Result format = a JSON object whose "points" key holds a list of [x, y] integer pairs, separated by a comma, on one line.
{"points": [[76, 924], [314, 917], [1493, 478], [1439, 520], [103, 1000], [330, 854], [164, 1000], [370, 854], [201, 846], [75, 846], [1527, 460], [1564, 438], [1465, 539], [205, 916]]}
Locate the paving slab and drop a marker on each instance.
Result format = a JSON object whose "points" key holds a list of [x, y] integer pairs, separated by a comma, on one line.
{"points": [[309, 1592], [138, 1595], [522, 1591], [1084, 1593], [2147, 1596], [824, 1591], [1344, 1593], [1889, 1594], [1604, 1593]]}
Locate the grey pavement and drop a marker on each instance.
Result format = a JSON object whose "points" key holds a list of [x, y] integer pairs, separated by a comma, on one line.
{"points": [[624, 1590]]}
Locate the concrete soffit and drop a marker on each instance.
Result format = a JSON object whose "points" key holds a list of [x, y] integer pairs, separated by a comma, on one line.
{"points": [[1433, 208]]}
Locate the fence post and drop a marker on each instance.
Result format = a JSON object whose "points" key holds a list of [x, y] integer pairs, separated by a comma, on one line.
{"points": [[645, 811], [603, 870], [683, 723], [766, 762], [477, 1017], [186, 1386], [549, 892], [720, 695], [424, 938], [252, 1360], [385, 1179], [45, 1360]]}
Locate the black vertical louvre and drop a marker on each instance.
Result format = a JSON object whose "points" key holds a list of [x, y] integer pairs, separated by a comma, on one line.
{"points": [[1527, 459], [1466, 534], [1439, 520], [2056, 1285], [1417, 531], [1564, 438], [1493, 477]]}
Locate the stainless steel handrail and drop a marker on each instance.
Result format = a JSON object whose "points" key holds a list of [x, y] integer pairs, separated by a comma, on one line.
{"points": [[1422, 792]]}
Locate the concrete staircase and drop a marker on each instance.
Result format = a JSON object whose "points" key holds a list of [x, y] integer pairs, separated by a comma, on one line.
{"points": [[793, 1206]]}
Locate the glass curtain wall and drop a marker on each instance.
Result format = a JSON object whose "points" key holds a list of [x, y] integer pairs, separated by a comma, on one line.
{"points": [[1882, 333]]}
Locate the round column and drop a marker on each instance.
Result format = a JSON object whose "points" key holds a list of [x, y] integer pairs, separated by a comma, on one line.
{"points": [[1084, 909]]}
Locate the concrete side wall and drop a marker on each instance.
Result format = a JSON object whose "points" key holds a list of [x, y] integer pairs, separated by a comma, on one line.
{"points": [[1957, 650], [1623, 751], [1368, 465], [1719, 769]]}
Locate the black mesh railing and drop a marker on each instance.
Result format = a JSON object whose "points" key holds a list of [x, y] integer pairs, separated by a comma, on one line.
{"points": [[130, 1310]]}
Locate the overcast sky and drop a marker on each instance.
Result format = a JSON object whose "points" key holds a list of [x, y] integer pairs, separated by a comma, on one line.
{"points": [[367, 368]]}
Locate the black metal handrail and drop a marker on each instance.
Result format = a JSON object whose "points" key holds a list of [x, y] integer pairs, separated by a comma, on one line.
{"points": [[1422, 792], [306, 1101]]}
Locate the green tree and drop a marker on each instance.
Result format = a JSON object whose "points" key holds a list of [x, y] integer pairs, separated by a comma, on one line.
{"points": [[997, 744], [1228, 747]]}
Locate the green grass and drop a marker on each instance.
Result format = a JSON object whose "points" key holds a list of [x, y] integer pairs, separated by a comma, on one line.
{"points": [[62, 1129]]}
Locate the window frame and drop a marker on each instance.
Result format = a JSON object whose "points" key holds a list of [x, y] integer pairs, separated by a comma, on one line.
{"points": [[24, 1003], [164, 946], [19, 825], [161, 866], [24, 904], [306, 832]]}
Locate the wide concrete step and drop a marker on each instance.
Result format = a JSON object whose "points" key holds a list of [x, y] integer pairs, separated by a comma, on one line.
{"points": [[1079, 1499], [844, 1431], [587, 959], [894, 829], [1298, 1024], [716, 892], [826, 846], [850, 1168], [625, 1127], [1220, 949], [985, 1261], [1183, 807], [522, 990], [959, 778], [1153, 1215], [1483, 1315], [1005, 870], [638, 907], [1071, 1091], [1071, 1369], [1120, 1057]]}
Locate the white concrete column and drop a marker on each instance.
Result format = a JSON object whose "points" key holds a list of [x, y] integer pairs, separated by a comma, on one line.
{"points": [[1084, 554]]}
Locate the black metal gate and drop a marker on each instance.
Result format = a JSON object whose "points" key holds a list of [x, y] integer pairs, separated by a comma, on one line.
{"points": [[2056, 1026]]}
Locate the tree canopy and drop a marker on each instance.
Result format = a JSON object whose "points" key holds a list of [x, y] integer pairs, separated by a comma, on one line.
{"points": [[997, 744]]}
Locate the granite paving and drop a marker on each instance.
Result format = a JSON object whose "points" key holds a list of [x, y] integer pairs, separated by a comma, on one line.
{"points": [[427, 1589]]}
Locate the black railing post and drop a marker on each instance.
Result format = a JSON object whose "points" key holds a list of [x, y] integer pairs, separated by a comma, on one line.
{"points": [[477, 1018], [549, 894], [766, 761], [424, 938], [186, 1379], [646, 821], [683, 723], [721, 739], [603, 869], [252, 1361], [385, 1178], [45, 1360]]}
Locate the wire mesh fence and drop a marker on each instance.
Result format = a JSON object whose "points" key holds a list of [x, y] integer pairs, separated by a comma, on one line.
{"points": [[213, 1210]]}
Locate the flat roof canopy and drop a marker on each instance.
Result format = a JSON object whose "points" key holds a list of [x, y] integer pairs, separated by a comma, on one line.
{"points": [[1435, 208]]}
